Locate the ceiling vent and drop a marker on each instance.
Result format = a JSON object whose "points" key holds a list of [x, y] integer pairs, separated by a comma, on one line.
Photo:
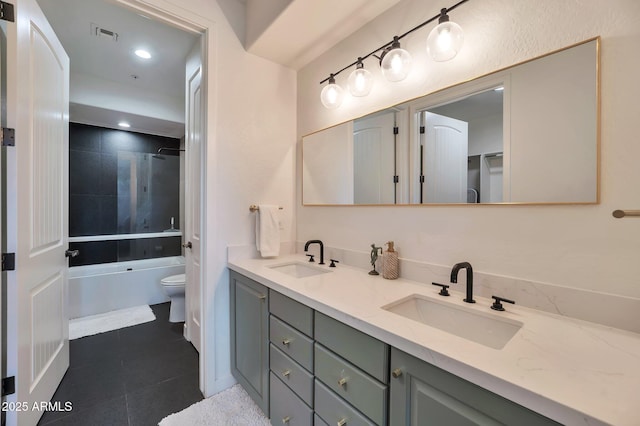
{"points": [[103, 32]]}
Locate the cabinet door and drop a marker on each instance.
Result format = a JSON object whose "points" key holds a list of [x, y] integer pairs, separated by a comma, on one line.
{"points": [[424, 395], [250, 337]]}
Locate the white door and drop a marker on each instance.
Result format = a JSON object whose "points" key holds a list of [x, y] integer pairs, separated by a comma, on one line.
{"points": [[446, 148], [374, 160], [193, 200], [36, 212]]}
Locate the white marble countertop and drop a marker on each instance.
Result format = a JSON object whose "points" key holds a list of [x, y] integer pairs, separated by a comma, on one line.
{"points": [[572, 371]]}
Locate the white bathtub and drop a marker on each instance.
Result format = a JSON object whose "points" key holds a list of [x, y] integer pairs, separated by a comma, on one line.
{"points": [[95, 289]]}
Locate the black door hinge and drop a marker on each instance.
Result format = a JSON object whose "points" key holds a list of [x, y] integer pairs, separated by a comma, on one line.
{"points": [[422, 130], [396, 130], [396, 179], [8, 261], [8, 385], [6, 12], [421, 178], [8, 136]]}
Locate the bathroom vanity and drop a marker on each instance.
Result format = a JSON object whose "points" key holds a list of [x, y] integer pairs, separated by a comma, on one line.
{"points": [[319, 345]]}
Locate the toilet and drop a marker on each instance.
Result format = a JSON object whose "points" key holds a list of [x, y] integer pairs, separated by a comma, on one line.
{"points": [[174, 288]]}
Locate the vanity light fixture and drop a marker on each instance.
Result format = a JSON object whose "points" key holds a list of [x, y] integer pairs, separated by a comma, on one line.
{"points": [[332, 94], [360, 80], [445, 40], [395, 62]]}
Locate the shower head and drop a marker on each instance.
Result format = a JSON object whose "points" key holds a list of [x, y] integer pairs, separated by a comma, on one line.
{"points": [[169, 149]]}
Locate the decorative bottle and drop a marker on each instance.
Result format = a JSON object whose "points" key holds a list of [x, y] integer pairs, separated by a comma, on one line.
{"points": [[390, 262]]}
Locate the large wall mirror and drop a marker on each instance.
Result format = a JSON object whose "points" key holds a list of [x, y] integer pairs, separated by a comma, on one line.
{"points": [[524, 134]]}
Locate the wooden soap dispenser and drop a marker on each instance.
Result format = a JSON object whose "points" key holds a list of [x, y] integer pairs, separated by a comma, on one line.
{"points": [[390, 262]]}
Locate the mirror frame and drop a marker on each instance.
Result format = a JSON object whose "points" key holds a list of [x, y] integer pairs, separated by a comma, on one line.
{"points": [[439, 92]]}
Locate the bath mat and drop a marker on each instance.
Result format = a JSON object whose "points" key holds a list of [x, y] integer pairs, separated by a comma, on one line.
{"points": [[95, 324], [232, 407]]}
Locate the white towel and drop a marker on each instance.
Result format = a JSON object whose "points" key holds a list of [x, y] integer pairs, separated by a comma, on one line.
{"points": [[267, 230]]}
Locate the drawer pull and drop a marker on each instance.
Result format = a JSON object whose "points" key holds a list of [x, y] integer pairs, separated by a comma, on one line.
{"points": [[342, 422], [396, 373], [286, 342], [343, 382], [286, 420], [286, 373]]}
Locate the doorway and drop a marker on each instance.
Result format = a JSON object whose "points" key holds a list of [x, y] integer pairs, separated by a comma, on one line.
{"points": [[111, 85]]}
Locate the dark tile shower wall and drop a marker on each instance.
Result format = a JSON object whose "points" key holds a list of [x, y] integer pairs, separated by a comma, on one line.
{"points": [[93, 194]]}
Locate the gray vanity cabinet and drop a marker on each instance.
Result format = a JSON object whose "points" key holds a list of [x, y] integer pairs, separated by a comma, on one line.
{"points": [[352, 370], [249, 309], [424, 395], [291, 361]]}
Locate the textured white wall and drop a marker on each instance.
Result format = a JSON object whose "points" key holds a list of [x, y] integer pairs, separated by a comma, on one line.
{"points": [[250, 158], [575, 246]]}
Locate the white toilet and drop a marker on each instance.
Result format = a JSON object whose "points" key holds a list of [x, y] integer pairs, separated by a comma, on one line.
{"points": [[174, 288]]}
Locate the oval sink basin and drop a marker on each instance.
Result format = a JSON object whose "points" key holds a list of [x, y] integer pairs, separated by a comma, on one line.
{"points": [[299, 269], [478, 327]]}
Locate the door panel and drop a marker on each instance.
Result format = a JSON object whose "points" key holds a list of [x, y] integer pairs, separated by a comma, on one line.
{"points": [[374, 160], [36, 210], [445, 151], [193, 199]]}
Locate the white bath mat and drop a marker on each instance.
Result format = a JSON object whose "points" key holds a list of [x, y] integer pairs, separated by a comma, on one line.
{"points": [[94, 324], [232, 407]]}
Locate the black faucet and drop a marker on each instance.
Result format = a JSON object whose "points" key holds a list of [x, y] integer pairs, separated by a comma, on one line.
{"points": [[306, 248], [454, 279]]}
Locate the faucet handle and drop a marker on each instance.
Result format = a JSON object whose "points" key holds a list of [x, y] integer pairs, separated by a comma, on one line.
{"points": [[497, 306], [333, 263], [311, 259], [443, 290]]}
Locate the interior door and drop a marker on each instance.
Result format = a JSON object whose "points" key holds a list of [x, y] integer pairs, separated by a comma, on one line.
{"points": [[446, 147], [193, 202], [36, 215], [374, 160]]}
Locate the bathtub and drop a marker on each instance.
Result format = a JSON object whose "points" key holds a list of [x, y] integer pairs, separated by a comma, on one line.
{"points": [[95, 289]]}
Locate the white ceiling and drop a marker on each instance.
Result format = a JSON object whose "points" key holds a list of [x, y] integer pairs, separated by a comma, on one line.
{"points": [[307, 28], [300, 32]]}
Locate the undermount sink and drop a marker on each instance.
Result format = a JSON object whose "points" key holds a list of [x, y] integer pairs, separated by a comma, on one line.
{"points": [[299, 269], [478, 327]]}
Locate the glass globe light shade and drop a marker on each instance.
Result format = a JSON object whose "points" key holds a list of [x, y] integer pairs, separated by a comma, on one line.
{"points": [[396, 64], [445, 41], [360, 81], [332, 95]]}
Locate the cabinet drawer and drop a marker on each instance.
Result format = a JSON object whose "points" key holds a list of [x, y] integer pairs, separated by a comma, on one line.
{"points": [[294, 313], [334, 410], [291, 342], [366, 352], [356, 387], [292, 374], [286, 408]]}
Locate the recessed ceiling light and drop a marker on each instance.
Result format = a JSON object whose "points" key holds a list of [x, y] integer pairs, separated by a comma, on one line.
{"points": [[143, 54], [124, 124]]}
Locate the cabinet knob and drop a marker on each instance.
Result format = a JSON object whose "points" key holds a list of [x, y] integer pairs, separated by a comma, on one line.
{"points": [[396, 373], [286, 342], [342, 382], [286, 373], [342, 422], [286, 420]]}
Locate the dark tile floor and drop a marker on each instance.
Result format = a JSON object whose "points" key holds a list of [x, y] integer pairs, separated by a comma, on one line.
{"points": [[134, 376]]}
